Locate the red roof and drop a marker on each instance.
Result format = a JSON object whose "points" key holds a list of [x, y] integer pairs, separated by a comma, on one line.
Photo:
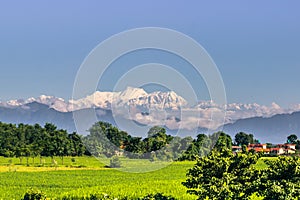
{"points": [[275, 149], [286, 145], [256, 145]]}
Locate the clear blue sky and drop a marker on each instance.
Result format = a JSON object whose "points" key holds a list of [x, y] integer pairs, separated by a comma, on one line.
{"points": [[255, 44]]}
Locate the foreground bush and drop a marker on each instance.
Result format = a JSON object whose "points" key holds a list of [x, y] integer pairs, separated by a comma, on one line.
{"points": [[281, 180], [34, 195], [223, 175], [115, 162], [38, 195], [158, 196], [90, 197]]}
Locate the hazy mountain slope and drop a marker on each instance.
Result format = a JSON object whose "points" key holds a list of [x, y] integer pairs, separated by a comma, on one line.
{"points": [[274, 129]]}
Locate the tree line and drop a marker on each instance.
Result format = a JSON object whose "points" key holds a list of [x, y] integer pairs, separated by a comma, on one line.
{"points": [[25, 140], [157, 145]]}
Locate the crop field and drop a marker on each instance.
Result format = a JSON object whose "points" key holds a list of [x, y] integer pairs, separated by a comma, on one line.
{"points": [[82, 176], [87, 175]]}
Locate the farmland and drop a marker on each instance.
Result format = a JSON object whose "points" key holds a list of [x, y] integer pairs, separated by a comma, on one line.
{"points": [[91, 177], [88, 176]]}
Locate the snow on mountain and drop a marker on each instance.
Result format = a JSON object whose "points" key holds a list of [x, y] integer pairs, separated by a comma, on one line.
{"points": [[131, 93], [97, 100], [241, 111], [235, 111], [159, 107], [131, 96], [159, 100], [12, 103], [51, 101]]}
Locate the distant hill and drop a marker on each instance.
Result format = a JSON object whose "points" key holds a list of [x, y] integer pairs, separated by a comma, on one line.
{"points": [[34, 112], [274, 129]]}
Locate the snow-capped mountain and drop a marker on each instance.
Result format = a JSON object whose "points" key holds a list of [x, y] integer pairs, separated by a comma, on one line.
{"points": [[157, 108], [166, 109], [104, 100], [50, 101], [159, 100]]}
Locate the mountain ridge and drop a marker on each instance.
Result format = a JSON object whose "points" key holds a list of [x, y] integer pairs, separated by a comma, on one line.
{"points": [[156, 108]]}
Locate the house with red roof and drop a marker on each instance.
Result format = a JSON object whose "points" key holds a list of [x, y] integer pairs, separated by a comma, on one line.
{"points": [[279, 149]]}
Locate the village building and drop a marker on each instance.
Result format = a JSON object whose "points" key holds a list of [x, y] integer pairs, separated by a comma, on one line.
{"points": [[279, 149]]}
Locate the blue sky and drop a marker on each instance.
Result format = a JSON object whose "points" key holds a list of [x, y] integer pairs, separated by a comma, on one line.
{"points": [[255, 44]]}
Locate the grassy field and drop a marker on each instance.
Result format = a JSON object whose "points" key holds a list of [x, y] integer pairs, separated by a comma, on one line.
{"points": [[87, 175]]}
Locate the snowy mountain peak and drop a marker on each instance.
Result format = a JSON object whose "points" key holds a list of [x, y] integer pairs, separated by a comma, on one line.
{"points": [[139, 101], [132, 93]]}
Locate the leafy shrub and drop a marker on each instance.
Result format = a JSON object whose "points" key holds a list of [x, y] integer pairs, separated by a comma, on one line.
{"points": [[224, 175], [281, 179], [34, 195], [90, 197], [158, 196], [115, 162]]}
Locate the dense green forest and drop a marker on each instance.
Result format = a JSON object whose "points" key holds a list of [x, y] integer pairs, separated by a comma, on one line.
{"points": [[25, 140], [33, 141], [157, 144], [104, 139]]}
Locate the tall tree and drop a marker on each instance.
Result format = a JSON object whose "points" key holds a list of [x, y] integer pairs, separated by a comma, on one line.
{"points": [[224, 141], [98, 141], [292, 139], [157, 139], [77, 148], [20, 147], [199, 147], [242, 138]]}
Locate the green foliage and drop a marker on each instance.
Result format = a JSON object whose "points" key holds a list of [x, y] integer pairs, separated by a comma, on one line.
{"points": [[104, 196], [242, 138], [292, 139], [98, 143], [115, 162], [158, 196], [221, 141], [281, 180], [156, 131], [270, 145], [33, 140], [222, 175], [105, 139], [204, 144], [157, 139], [34, 195], [199, 147]]}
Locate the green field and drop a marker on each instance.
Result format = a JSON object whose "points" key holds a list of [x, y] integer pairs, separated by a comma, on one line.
{"points": [[92, 177], [87, 176]]}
